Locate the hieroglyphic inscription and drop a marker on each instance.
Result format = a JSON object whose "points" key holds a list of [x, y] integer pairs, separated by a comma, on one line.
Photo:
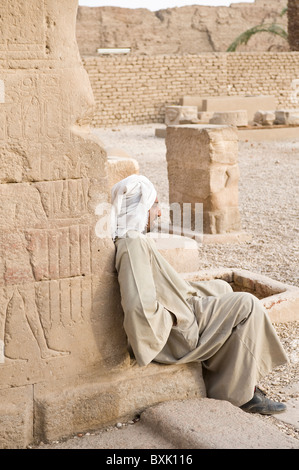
{"points": [[18, 337], [65, 198], [64, 302], [51, 169], [15, 267], [34, 108], [22, 334], [59, 253]]}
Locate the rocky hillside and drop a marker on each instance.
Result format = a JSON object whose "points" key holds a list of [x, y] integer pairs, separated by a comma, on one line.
{"points": [[185, 30]]}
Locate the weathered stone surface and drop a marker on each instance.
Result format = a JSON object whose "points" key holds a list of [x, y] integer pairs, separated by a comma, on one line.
{"points": [[230, 118], [206, 157], [264, 118], [198, 423], [221, 109], [213, 424], [234, 103], [16, 417], [120, 167], [288, 117], [180, 115], [205, 116]]}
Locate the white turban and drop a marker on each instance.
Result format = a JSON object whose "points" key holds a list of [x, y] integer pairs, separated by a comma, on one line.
{"points": [[131, 200]]}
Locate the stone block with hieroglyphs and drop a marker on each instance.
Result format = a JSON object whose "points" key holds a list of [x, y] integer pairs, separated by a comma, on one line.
{"points": [[59, 296]]}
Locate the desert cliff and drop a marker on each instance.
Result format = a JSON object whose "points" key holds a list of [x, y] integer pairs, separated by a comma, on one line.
{"points": [[184, 30]]}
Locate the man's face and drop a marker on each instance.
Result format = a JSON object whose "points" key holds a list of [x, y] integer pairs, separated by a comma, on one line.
{"points": [[153, 214]]}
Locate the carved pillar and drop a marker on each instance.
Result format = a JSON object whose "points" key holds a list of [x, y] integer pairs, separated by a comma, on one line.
{"points": [[59, 307]]}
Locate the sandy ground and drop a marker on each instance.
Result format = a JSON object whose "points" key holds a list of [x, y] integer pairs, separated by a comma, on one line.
{"points": [[269, 208]]}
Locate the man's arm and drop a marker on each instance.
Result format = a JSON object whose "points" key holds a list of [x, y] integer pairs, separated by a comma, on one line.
{"points": [[147, 323]]}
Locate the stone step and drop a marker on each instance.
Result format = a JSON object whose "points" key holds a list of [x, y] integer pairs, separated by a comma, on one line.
{"points": [[198, 423]]}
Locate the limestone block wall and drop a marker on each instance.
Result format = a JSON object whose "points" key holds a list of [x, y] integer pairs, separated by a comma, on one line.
{"points": [[264, 74], [135, 89]]}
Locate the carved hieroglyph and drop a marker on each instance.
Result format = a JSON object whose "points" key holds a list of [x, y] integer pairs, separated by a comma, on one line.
{"points": [[59, 304], [202, 164]]}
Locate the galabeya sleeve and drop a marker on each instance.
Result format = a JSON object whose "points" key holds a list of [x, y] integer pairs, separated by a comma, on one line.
{"points": [[146, 322]]}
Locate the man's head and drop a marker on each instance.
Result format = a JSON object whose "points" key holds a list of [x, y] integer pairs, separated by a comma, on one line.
{"points": [[153, 213], [134, 205]]}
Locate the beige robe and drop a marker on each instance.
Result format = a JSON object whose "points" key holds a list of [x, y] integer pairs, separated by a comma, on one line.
{"points": [[170, 320]]}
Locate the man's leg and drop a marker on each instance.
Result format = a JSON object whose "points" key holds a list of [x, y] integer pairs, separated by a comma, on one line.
{"points": [[250, 351]]}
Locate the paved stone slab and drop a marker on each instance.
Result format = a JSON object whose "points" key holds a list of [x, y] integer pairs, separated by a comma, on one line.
{"points": [[188, 424], [291, 415], [213, 424], [130, 436]]}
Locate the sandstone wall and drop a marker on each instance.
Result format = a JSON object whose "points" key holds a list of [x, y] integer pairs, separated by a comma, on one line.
{"points": [[57, 279], [135, 89]]}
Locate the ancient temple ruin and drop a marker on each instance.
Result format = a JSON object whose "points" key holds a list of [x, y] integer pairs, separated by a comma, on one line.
{"points": [[64, 364]]}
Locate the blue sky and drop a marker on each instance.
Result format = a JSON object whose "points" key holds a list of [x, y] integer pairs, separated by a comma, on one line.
{"points": [[155, 5]]}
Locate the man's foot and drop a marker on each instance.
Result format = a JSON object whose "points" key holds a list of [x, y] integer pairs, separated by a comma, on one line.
{"points": [[263, 405]]}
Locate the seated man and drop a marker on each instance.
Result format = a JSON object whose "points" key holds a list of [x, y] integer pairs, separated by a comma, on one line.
{"points": [[169, 320]]}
